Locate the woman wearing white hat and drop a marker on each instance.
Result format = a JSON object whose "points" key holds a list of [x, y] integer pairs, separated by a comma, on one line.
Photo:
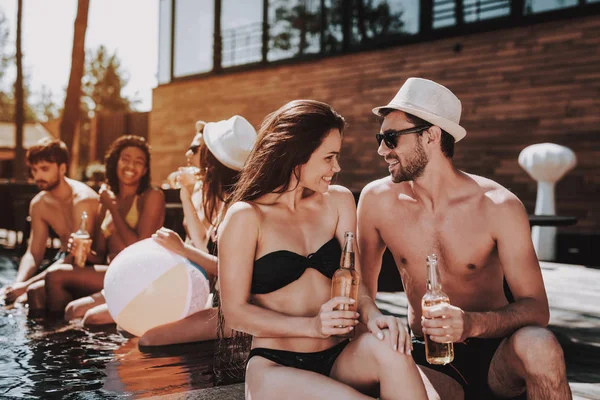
{"points": [[219, 150]]}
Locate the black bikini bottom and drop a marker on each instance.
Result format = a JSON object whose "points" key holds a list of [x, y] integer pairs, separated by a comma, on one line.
{"points": [[320, 362]]}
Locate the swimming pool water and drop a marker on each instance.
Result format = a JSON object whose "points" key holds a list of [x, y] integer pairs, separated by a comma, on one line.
{"points": [[47, 359]]}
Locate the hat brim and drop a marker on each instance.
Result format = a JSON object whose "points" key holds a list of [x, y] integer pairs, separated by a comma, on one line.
{"points": [[217, 149], [454, 129]]}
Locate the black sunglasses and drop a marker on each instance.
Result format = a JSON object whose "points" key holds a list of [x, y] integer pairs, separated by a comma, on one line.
{"points": [[194, 148], [389, 136]]}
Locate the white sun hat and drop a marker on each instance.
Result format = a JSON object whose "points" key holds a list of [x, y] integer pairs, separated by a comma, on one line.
{"points": [[431, 102], [230, 141]]}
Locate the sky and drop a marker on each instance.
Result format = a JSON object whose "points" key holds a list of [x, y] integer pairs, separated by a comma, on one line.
{"points": [[129, 27]]}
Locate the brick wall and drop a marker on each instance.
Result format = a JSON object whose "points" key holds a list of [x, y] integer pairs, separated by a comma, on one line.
{"points": [[518, 87]]}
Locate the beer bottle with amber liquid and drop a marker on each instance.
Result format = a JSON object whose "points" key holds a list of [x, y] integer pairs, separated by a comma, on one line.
{"points": [[436, 353], [345, 280], [81, 242]]}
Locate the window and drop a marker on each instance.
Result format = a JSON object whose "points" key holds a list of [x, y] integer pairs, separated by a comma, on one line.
{"points": [[294, 28], [539, 6], [241, 32], [164, 41], [444, 13], [297, 28], [194, 32], [479, 10], [375, 21]]}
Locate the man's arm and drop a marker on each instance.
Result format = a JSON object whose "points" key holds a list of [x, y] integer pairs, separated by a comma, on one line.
{"points": [[523, 274], [369, 240], [37, 243]]}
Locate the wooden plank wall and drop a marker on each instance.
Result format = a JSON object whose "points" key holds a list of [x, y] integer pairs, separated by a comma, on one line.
{"points": [[519, 86], [107, 127]]}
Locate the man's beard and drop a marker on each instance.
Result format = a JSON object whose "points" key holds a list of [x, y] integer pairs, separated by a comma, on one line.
{"points": [[414, 167], [47, 185]]}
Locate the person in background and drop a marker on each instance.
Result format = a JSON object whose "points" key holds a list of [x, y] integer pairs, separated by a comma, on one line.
{"points": [[130, 210], [219, 150], [58, 206]]}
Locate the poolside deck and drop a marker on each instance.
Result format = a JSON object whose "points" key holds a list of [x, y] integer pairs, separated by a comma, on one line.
{"points": [[575, 319]]}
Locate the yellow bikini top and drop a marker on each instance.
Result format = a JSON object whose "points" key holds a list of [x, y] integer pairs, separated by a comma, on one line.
{"points": [[132, 218]]}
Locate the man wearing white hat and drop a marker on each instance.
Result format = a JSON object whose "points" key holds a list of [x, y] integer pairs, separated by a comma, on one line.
{"points": [[480, 232]]}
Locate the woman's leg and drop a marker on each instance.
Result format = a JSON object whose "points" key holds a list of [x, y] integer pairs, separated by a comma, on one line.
{"points": [[268, 380], [64, 283], [98, 315], [78, 308], [368, 362], [197, 327]]}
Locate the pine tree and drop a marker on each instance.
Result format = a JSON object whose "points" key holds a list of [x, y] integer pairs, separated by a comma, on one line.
{"points": [[103, 83]]}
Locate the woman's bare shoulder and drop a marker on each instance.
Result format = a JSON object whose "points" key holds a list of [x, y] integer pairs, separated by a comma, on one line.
{"points": [[243, 212], [340, 193], [153, 193]]}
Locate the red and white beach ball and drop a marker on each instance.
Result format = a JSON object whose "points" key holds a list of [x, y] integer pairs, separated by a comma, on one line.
{"points": [[147, 285]]}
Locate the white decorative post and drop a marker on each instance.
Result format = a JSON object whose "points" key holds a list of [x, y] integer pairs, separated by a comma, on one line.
{"points": [[547, 163]]}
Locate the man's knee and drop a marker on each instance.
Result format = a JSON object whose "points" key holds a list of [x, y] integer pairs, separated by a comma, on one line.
{"points": [[55, 275], [35, 289], [72, 311], [537, 348], [36, 294]]}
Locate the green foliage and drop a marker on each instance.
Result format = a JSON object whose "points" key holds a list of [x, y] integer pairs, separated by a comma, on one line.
{"points": [[5, 98], [4, 57], [297, 25], [7, 95], [46, 109], [103, 82]]}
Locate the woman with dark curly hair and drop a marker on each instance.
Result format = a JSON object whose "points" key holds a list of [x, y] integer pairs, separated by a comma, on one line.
{"points": [[130, 210]]}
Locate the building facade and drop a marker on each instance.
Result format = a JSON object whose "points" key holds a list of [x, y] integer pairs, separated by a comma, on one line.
{"points": [[526, 72]]}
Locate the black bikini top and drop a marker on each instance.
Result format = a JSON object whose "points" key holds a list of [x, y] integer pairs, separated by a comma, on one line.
{"points": [[278, 269]]}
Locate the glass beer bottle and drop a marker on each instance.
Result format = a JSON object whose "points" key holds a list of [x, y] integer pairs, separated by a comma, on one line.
{"points": [[345, 280], [81, 242], [436, 353]]}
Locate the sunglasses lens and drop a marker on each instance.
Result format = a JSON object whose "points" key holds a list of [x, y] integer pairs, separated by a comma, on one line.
{"points": [[388, 140]]}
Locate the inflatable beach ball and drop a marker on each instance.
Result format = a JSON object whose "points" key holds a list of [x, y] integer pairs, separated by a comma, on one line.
{"points": [[148, 285]]}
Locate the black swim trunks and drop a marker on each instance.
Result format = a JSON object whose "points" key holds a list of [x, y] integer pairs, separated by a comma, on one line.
{"points": [[470, 367], [320, 362]]}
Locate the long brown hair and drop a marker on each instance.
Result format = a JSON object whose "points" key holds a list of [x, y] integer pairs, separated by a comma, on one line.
{"points": [[286, 139], [217, 184]]}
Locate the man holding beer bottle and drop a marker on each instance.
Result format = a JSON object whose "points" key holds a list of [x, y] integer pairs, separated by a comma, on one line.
{"points": [[479, 232], [58, 206]]}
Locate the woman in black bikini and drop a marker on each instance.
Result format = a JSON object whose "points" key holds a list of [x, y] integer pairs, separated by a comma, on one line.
{"points": [[279, 245]]}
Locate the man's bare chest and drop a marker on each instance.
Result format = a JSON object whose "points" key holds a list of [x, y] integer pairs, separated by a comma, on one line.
{"points": [[61, 217], [464, 242]]}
